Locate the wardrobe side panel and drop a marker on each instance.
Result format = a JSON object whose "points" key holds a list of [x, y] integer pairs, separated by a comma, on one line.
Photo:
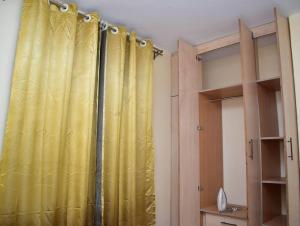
{"points": [[174, 75], [290, 119], [251, 126], [175, 142], [189, 86]]}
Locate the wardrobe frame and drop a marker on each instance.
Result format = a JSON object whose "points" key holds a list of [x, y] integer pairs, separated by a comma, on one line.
{"points": [[186, 151]]}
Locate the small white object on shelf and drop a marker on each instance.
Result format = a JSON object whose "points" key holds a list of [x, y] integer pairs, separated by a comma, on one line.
{"points": [[222, 200]]}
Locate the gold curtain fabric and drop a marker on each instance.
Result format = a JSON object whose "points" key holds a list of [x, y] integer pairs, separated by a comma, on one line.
{"points": [[47, 170], [128, 195]]}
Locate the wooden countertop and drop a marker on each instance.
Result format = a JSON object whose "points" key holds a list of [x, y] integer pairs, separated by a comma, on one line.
{"points": [[241, 213]]}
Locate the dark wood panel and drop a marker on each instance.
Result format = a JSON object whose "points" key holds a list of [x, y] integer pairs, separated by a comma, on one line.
{"points": [[211, 160], [270, 153], [271, 201], [272, 84], [268, 112]]}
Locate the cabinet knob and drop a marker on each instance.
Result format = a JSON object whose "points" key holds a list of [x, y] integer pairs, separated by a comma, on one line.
{"points": [[200, 128]]}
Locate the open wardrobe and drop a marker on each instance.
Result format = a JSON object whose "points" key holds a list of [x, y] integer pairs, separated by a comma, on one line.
{"points": [[234, 126], [149, 113]]}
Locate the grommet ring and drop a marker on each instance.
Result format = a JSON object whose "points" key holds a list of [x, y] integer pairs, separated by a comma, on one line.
{"points": [[143, 43], [104, 26], [64, 8], [115, 30], [87, 18]]}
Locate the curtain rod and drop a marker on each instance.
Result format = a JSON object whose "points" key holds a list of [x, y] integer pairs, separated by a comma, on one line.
{"points": [[157, 51]]}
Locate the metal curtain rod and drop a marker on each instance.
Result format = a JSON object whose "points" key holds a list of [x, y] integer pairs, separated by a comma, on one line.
{"points": [[157, 51]]}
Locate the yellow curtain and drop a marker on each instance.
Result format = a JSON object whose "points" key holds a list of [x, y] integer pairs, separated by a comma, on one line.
{"points": [[47, 170], [128, 196]]}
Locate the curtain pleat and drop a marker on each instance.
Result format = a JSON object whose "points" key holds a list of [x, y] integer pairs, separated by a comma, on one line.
{"points": [[128, 196], [98, 209], [47, 171]]}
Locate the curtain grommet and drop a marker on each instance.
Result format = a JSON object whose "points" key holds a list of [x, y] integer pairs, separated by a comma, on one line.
{"points": [[143, 43], [87, 18], [115, 30], [64, 8], [104, 26]]}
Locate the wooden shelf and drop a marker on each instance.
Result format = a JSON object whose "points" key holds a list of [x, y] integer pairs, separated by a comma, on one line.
{"points": [[274, 180], [224, 92], [271, 138], [241, 213], [271, 84], [277, 221]]}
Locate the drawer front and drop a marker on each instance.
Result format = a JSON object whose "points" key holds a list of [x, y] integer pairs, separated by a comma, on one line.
{"points": [[213, 220]]}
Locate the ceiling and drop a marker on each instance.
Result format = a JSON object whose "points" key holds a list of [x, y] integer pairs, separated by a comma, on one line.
{"points": [[196, 21]]}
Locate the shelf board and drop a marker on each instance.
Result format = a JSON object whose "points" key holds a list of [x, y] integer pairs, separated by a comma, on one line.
{"points": [[277, 221], [271, 138], [224, 92], [271, 83], [274, 180], [241, 213]]}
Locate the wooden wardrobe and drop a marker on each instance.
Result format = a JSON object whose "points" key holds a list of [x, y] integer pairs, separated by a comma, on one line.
{"points": [[234, 126]]}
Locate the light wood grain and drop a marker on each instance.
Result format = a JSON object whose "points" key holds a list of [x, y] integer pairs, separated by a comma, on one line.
{"points": [[274, 180], [241, 213], [272, 138], [214, 220], [218, 43], [175, 162], [289, 105], [174, 75], [265, 29], [211, 161], [251, 113], [189, 86], [225, 92], [234, 38]]}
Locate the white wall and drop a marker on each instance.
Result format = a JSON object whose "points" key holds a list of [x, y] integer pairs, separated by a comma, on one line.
{"points": [[162, 136], [234, 154], [9, 24], [295, 39]]}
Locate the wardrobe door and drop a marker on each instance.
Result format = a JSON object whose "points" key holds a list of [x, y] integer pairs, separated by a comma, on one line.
{"points": [[251, 125], [290, 120], [174, 143], [189, 87]]}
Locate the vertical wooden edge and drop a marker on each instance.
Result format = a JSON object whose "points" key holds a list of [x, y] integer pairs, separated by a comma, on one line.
{"points": [[174, 75], [290, 117], [174, 202], [189, 83], [251, 119]]}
